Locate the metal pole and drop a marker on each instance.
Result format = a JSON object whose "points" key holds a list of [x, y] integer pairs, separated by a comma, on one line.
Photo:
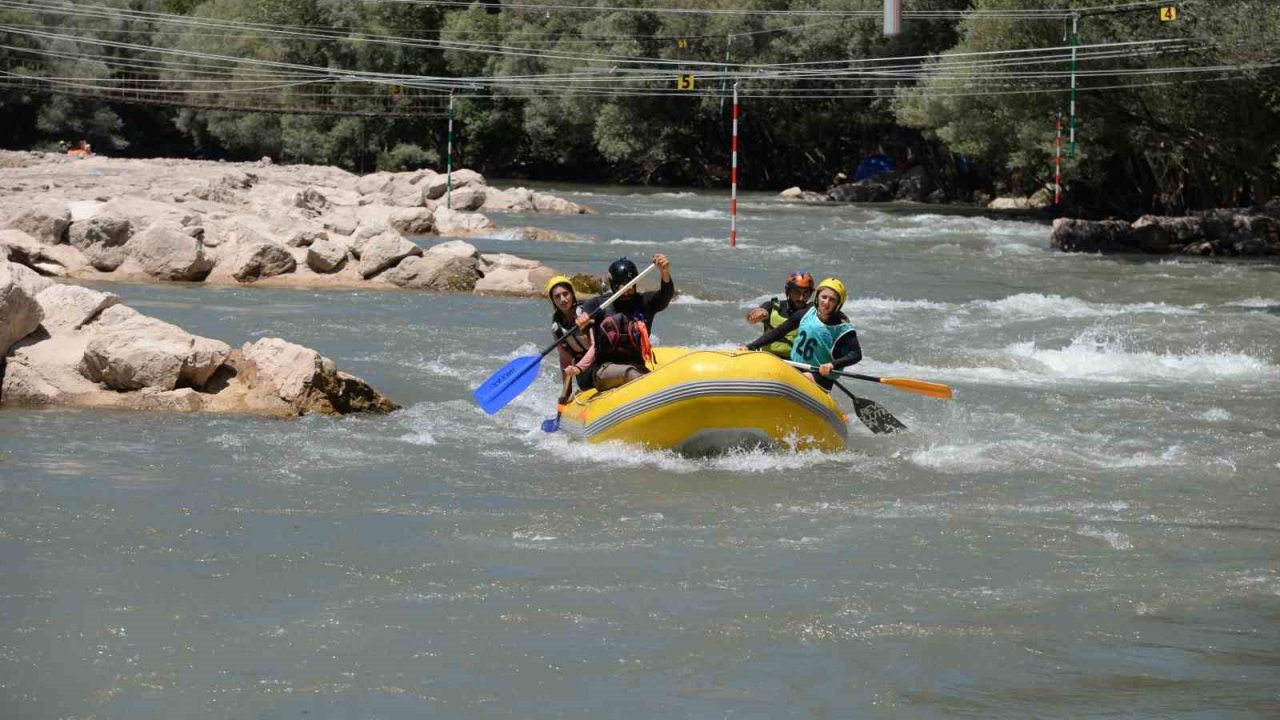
{"points": [[1057, 163], [449, 160], [892, 17], [728, 43], [733, 176], [1075, 40]]}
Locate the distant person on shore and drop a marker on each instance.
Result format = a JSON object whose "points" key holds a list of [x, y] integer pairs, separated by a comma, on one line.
{"points": [[774, 312], [621, 337], [577, 352], [825, 338]]}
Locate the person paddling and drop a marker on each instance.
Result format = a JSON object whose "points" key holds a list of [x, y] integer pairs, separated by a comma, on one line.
{"points": [[774, 312], [622, 337], [577, 352], [824, 335]]}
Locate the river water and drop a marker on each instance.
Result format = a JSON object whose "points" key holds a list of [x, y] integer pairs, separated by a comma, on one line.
{"points": [[1091, 528]]}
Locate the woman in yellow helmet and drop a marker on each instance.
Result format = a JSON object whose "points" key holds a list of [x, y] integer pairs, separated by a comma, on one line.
{"points": [[824, 335], [577, 352]]}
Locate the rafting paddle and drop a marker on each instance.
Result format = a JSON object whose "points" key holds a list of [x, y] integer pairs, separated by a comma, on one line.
{"points": [[920, 387], [875, 417], [503, 386], [551, 425]]}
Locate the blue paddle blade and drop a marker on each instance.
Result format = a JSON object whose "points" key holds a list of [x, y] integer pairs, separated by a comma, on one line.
{"points": [[503, 386], [551, 425]]}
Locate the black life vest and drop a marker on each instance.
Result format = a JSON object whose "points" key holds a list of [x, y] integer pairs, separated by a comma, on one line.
{"points": [[576, 344]]}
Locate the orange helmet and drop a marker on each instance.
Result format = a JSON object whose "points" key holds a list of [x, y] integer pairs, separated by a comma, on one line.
{"points": [[800, 280]]}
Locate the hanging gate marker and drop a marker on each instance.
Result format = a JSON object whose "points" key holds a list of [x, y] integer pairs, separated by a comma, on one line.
{"points": [[733, 176]]}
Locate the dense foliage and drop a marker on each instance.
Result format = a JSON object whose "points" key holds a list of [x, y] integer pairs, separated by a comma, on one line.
{"points": [[1153, 143]]}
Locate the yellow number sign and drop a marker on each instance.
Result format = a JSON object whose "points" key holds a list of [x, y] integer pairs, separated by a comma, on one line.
{"points": [[1168, 13], [395, 89], [682, 44], [684, 82]]}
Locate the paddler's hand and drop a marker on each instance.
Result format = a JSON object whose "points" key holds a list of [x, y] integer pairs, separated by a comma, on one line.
{"points": [[757, 315], [584, 321], [572, 371], [664, 265], [826, 368]]}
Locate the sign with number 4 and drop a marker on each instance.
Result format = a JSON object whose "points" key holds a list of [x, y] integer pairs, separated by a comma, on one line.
{"points": [[1168, 13]]}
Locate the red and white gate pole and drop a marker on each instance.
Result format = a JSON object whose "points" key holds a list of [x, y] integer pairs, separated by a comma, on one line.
{"points": [[733, 176], [1057, 165]]}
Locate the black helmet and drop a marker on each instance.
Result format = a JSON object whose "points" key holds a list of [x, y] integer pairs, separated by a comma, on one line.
{"points": [[621, 272]]}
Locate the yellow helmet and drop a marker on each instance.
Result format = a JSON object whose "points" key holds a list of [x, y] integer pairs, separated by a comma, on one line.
{"points": [[558, 280], [835, 285]]}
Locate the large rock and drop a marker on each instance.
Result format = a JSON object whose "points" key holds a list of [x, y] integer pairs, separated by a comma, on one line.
{"points": [[102, 238], [326, 256], [45, 221], [516, 199], [412, 221], [305, 237], [518, 281], [438, 272], [261, 260], [167, 252], [914, 184], [384, 251], [438, 185], [311, 201], [544, 203], [289, 379], [130, 351], [468, 198], [69, 307], [375, 183], [408, 189], [20, 311], [869, 190], [452, 222], [1074, 235]]}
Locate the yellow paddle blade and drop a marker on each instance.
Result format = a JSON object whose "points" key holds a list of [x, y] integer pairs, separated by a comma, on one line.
{"points": [[922, 387]]}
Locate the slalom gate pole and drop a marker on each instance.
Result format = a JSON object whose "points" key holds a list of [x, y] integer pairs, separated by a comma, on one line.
{"points": [[448, 163], [1057, 164], [733, 176], [1075, 40]]}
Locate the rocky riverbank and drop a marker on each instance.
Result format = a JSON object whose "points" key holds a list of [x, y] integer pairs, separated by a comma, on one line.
{"points": [[1242, 232], [67, 345], [163, 220]]}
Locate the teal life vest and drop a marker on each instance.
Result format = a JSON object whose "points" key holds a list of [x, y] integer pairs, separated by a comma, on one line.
{"points": [[815, 339]]}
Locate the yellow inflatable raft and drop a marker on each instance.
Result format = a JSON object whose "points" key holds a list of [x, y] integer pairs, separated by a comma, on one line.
{"points": [[699, 402]]}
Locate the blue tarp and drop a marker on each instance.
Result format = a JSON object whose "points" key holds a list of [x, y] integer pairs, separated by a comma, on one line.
{"points": [[874, 165]]}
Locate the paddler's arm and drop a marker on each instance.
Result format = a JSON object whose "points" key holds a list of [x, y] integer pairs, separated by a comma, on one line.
{"points": [[662, 298], [780, 332], [847, 351]]}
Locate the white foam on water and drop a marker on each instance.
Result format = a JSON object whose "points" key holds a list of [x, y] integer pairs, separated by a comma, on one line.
{"points": [[688, 299], [1171, 456], [1215, 414], [1117, 540], [683, 213], [1035, 305], [1091, 357], [1256, 302], [420, 421]]}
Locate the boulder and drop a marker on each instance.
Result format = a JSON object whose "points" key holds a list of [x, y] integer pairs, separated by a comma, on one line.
{"points": [[378, 182], [511, 200], [1073, 235], [412, 221], [69, 307], [914, 184], [435, 271], [326, 256], [306, 237], [454, 248], [384, 251], [311, 202], [544, 203], [869, 190], [791, 193], [167, 252], [490, 262], [344, 223], [46, 221], [451, 222], [56, 260], [102, 239], [20, 311], [1010, 203], [260, 260], [437, 185], [129, 351], [1150, 235], [522, 282], [290, 379], [468, 198]]}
